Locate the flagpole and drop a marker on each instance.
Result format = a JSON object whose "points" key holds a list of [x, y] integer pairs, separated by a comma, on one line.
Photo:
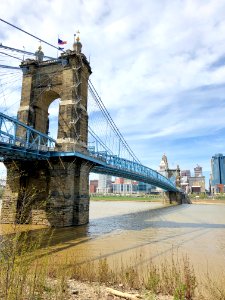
{"points": [[23, 53], [57, 48]]}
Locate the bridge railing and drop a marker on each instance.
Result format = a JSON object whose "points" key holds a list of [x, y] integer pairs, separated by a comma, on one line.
{"points": [[133, 167], [15, 133]]}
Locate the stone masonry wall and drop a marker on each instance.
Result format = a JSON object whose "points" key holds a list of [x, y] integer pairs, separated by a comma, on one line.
{"points": [[53, 192]]}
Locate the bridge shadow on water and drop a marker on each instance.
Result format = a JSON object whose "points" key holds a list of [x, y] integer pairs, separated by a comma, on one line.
{"points": [[63, 239]]}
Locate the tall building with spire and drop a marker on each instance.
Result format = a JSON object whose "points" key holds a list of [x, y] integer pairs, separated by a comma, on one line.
{"points": [[172, 174], [163, 166]]}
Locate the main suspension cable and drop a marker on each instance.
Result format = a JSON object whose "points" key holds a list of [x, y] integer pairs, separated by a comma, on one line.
{"points": [[58, 48]]}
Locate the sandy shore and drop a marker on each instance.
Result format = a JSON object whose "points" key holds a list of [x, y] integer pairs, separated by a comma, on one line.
{"points": [[94, 291]]}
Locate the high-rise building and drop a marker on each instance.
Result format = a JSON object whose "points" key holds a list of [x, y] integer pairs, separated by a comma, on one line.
{"points": [[197, 182], [128, 186], [218, 169], [185, 173], [218, 172], [104, 184], [198, 171], [124, 186], [193, 184]]}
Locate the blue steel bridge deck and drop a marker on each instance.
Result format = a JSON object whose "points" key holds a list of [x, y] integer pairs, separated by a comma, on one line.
{"points": [[35, 145], [109, 164]]}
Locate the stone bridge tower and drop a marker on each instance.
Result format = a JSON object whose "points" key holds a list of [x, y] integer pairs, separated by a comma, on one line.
{"points": [[53, 192]]}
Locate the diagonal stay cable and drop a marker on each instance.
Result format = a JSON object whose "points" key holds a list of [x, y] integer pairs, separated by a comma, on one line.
{"points": [[10, 55], [104, 110], [97, 138], [58, 48]]}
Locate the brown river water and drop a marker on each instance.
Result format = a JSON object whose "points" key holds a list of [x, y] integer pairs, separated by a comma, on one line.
{"points": [[122, 230]]}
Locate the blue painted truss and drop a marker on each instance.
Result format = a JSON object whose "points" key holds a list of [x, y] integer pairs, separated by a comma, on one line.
{"points": [[21, 142], [120, 167]]}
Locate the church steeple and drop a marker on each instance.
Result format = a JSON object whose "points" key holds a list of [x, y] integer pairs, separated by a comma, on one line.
{"points": [[164, 163]]}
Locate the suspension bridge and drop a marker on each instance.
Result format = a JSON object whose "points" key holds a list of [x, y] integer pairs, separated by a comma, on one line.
{"points": [[48, 178]]}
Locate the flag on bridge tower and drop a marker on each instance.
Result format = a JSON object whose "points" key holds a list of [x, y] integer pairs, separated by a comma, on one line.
{"points": [[61, 42]]}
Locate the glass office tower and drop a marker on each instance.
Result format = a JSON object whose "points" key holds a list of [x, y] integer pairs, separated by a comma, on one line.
{"points": [[218, 169]]}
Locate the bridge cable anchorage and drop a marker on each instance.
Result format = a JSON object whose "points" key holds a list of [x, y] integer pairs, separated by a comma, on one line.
{"points": [[39, 39]]}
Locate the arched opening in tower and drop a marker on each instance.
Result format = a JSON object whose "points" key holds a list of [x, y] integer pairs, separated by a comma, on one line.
{"points": [[46, 113], [53, 115]]}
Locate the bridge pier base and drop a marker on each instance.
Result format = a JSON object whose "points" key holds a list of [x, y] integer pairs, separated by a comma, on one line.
{"points": [[11, 194], [173, 197], [53, 193]]}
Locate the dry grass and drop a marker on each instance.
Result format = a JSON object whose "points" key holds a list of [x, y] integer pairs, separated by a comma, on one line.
{"points": [[211, 288], [23, 276], [171, 278]]}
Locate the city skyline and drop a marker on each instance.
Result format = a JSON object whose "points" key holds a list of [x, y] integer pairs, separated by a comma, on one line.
{"points": [[160, 72]]}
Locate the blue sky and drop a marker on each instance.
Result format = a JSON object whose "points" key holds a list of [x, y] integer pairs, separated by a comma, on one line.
{"points": [[159, 67]]}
